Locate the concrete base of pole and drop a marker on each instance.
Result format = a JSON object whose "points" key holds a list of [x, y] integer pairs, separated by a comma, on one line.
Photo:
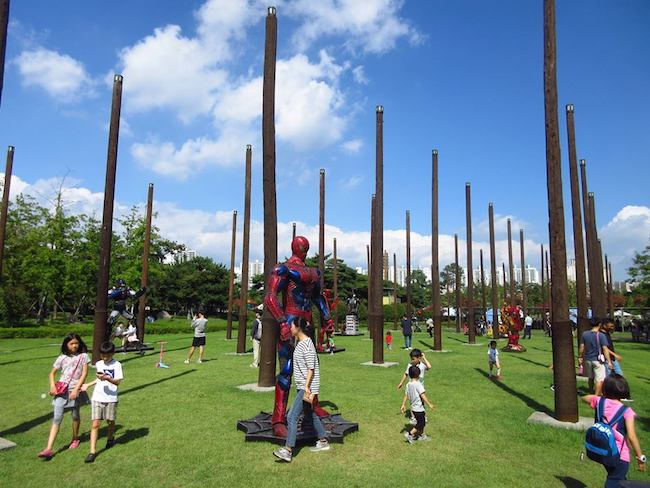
{"points": [[238, 353], [543, 418], [5, 444], [385, 364], [441, 350], [255, 387], [475, 344]]}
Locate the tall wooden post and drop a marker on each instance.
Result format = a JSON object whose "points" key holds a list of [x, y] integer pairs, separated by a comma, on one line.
{"points": [[566, 405], [394, 291], [409, 305], [335, 274], [4, 23], [470, 266], [522, 258], [511, 264], [543, 286], [457, 280], [293, 235], [610, 291], [144, 278], [321, 239], [378, 245], [231, 278], [245, 257], [101, 299], [599, 296], [578, 241], [435, 272], [609, 309], [483, 296], [5, 201], [271, 330], [549, 285], [493, 275], [595, 293], [371, 305], [505, 286]]}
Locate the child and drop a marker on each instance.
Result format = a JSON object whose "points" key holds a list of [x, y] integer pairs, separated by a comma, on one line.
{"points": [[614, 389], [104, 399], [415, 394], [417, 359], [198, 324], [493, 359], [389, 341], [73, 363]]}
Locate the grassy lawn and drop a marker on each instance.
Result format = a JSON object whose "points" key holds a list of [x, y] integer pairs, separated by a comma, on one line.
{"points": [[177, 426]]}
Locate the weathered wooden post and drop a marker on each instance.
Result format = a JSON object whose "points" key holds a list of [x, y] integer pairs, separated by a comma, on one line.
{"points": [[293, 235], [511, 264], [270, 328], [378, 247], [5, 201], [493, 276], [4, 23], [566, 405], [101, 300], [231, 281], [578, 241], [483, 296], [543, 286], [144, 278], [524, 301], [371, 305], [321, 239], [435, 271], [243, 292], [470, 267], [505, 286], [610, 291], [457, 280]]}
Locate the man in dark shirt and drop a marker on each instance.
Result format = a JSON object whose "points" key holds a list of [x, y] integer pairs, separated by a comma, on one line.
{"points": [[607, 327], [593, 355], [407, 331]]}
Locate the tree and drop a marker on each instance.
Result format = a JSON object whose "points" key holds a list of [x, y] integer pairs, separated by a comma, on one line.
{"points": [[640, 272]]}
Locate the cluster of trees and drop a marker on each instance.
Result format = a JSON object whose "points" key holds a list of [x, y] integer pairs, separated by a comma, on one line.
{"points": [[640, 273], [51, 260]]}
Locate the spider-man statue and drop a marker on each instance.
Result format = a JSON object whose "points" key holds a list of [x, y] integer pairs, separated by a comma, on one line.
{"points": [[300, 288], [119, 294]]}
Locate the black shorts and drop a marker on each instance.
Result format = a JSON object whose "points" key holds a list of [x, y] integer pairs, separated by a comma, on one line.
{"points": [[198, 341], [420, 418]]}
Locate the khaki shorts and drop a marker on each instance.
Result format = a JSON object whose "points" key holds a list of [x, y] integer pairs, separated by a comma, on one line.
{"points": [[104, 411], [595, 370]]}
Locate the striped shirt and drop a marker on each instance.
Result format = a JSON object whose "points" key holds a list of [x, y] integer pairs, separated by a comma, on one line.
{"points": [[305, 358]]}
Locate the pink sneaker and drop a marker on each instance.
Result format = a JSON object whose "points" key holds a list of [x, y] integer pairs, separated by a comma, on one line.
{"points": [[74, 444], [46, 453]]}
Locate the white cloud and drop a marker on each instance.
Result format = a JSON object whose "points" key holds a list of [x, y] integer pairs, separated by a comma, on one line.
{"points": [[61, 76], [353, 145], [360, 75], [628, 232], [17, 186], [351, 182], [374, 26]]}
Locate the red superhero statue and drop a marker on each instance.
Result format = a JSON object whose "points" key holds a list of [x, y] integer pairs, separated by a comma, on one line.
{"points": [[300, 288]]}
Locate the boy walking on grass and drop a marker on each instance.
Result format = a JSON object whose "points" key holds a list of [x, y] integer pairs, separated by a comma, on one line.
{"points": [[306, 376], [104, 399], [493, 359], [415, 394]]}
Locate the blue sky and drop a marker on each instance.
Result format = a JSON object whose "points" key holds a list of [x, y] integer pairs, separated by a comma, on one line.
{"points": [[464, 77]]}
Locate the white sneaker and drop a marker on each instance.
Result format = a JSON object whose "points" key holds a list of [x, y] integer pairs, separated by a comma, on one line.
{"points": [[321, 446], [283, 453], [187, 361], [409, 438], [199, 361]]}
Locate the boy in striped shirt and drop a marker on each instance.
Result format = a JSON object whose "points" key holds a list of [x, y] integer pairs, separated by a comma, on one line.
{"points": [[306, 377]]}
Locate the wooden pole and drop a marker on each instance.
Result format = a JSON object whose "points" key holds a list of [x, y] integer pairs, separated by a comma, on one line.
{"points": [[243, 292], [231, 280], [321, 239], [101, 299], [610, 291], [566, 404], [293, 236], [268, 349], [483, 295], [543, 306], [493, 275], [578, 241], [4, 23], [335, 274], [524, 301], [505, 286], [599, 297], [409, 305], [378, 247], [457, 280], [435, 272], [471, 332], [511, 264], [144, 278], [5, 201], [371, 305]]}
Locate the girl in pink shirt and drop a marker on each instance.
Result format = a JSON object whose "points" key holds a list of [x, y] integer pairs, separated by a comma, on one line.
{"points": [[614, 388]]}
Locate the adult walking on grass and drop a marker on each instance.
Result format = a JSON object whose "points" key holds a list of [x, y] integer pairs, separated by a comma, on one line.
{"points": [[256, 338], [593, 355], [407, 330], [306, 376], [607, 327], [198, 324]]}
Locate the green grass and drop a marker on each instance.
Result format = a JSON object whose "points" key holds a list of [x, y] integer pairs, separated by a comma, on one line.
{"points": [[177, 426]]}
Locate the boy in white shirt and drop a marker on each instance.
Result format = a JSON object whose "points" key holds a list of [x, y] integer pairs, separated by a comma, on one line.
{"points": [[416, 396], [104, 399], [493, 359]]}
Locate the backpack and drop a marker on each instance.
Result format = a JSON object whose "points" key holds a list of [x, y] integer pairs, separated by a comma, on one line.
{"points": [[600, 442]]}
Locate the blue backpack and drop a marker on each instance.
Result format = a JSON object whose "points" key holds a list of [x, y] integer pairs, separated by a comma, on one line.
{"points": [[600, 442]]}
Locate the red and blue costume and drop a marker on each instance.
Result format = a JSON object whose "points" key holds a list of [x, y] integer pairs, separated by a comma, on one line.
{"points": [[300, 287]]}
